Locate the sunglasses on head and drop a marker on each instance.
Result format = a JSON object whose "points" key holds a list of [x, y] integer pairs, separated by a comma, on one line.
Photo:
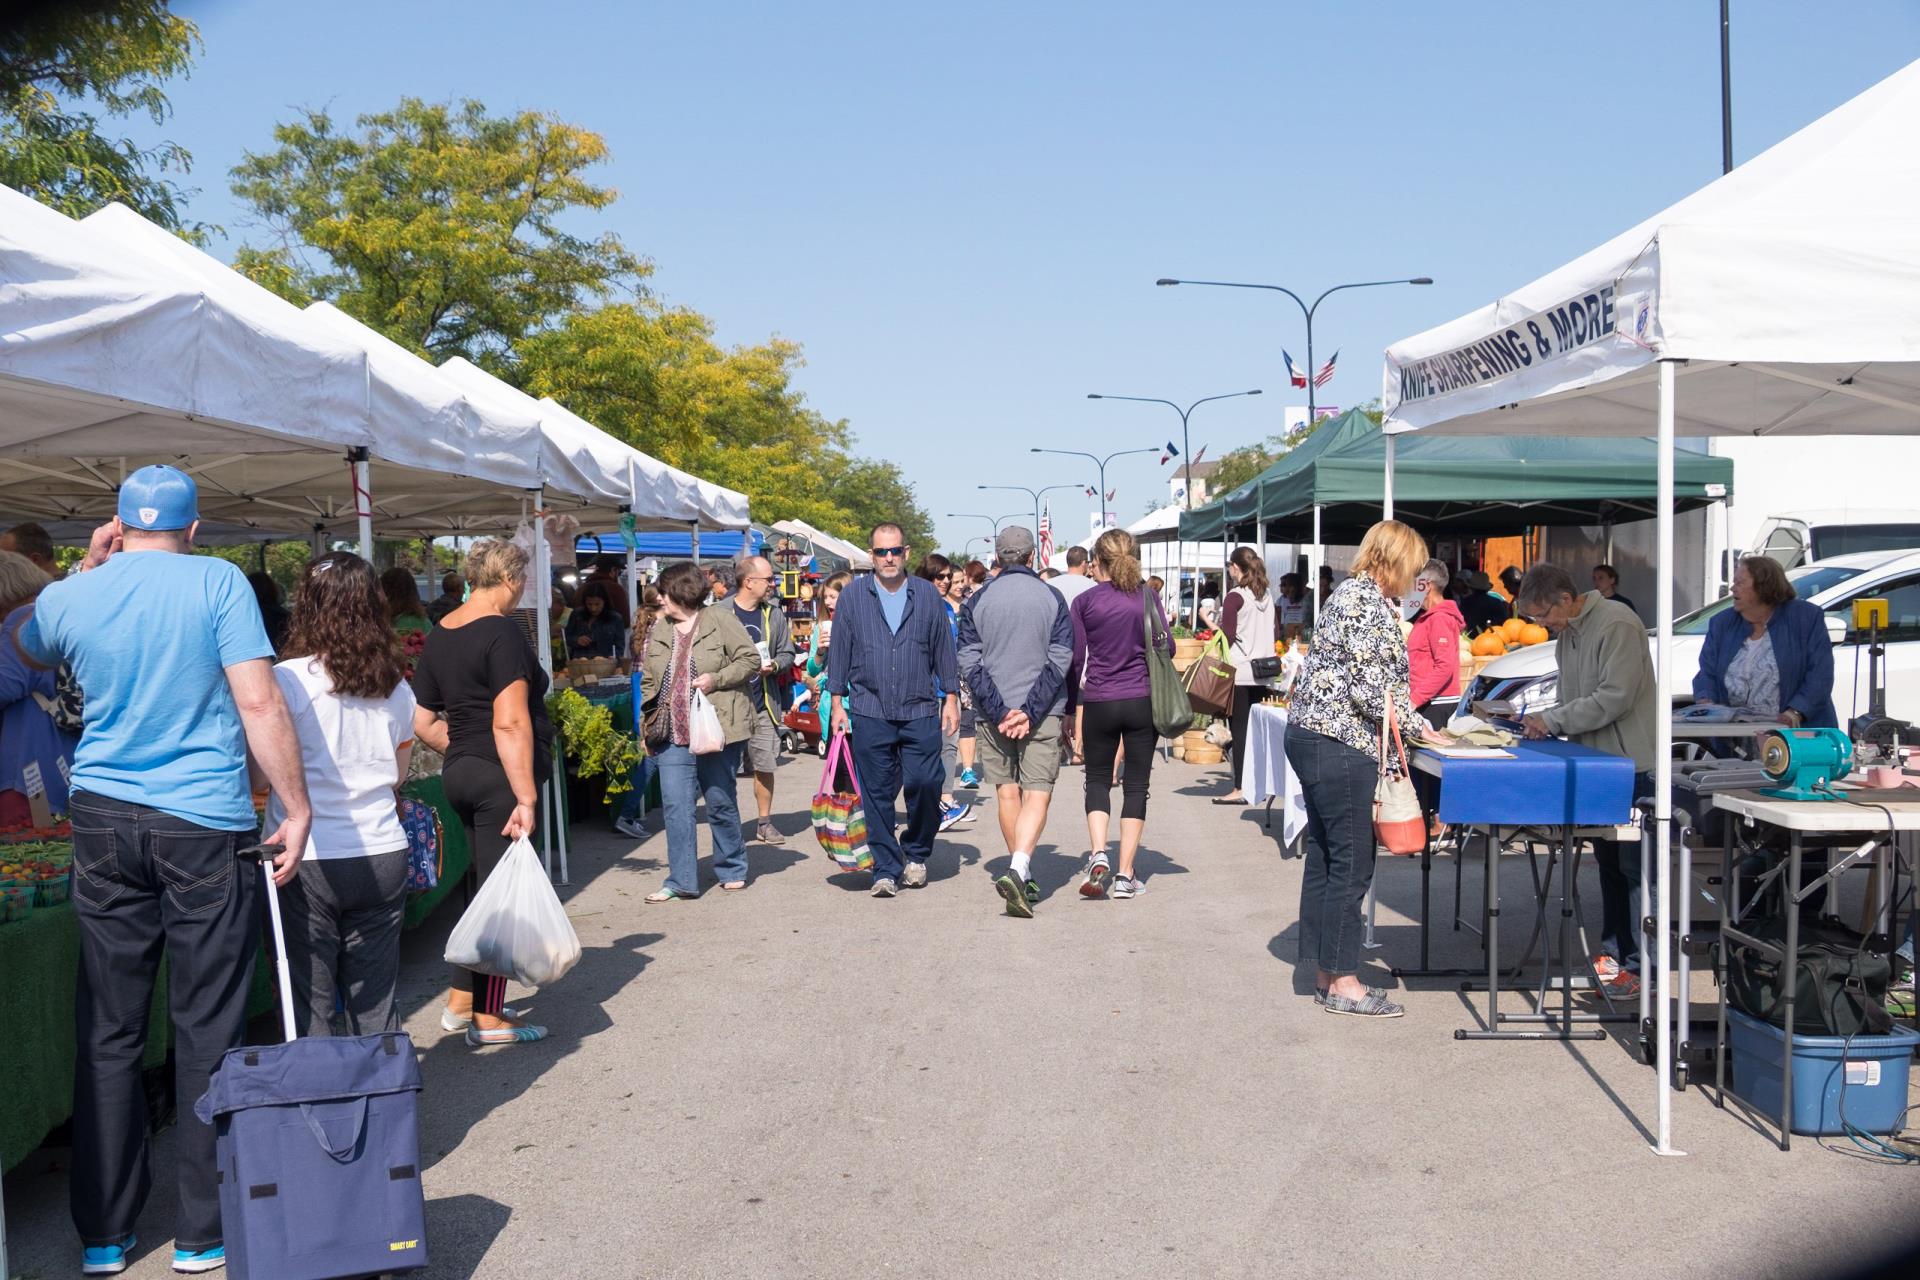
{"points": [[888, 551]]}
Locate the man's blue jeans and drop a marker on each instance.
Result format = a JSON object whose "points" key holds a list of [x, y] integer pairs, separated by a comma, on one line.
{"points": [[890, 755], [684, 779], [642, 775]]}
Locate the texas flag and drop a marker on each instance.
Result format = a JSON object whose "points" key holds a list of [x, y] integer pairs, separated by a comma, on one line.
{"points": [[1294, 374]]}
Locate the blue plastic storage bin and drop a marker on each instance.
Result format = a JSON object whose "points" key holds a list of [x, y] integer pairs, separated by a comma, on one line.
{"points": [[1874, 1070]]}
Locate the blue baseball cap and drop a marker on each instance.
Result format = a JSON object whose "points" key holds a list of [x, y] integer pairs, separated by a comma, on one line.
{"points": [[159, 497]]}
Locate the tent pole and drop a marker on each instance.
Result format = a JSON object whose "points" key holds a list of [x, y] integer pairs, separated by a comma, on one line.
{"points": [[696, 544], [317, 540], [633, 556], [543, 653], [1663, 775], [1386, 507], [363, 500], [1313, 569]]}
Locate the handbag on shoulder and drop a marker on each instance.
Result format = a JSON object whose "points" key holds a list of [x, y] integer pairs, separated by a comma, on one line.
{"points": [[1172, 711], [1210, 679], [1398, 823]]}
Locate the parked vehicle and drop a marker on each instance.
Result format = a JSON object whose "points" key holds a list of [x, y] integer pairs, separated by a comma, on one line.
{"points": [[1530, 678], [1807, 537]]}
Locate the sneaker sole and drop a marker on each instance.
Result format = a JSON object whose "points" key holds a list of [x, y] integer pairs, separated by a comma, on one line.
{"points": [[1015, 896], [1327, 1007], [1095, 885], [199, 1268]]}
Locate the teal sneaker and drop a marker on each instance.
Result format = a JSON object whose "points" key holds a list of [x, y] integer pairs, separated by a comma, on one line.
{"points": [[107, 1259], [193, 1263]]}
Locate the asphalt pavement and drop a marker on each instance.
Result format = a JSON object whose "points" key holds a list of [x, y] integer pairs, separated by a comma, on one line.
{"points": [[801, 1080]]}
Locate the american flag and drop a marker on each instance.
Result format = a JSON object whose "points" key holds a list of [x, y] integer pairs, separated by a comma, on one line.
{"points": [[1046, 535], [1325, 375], [1294, 374]]}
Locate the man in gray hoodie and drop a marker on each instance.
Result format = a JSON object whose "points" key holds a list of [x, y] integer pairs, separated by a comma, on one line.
{"points": [[1016, 642]]}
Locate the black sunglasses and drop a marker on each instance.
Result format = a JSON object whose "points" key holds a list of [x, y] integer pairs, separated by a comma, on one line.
{"points": [[889, 551]]}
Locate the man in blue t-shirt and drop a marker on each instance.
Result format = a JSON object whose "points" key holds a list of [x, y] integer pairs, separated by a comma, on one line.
{"points": [[177, 676]]}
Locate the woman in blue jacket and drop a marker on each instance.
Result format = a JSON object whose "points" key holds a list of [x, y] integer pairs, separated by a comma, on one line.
{"points": [[1770, 653]]}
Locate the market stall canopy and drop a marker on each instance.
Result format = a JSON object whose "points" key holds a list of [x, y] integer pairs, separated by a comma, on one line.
{"points": [[1791, 286], [666, 546], [1158, 526], [1241, 505], [664, 492], [857, 557]]}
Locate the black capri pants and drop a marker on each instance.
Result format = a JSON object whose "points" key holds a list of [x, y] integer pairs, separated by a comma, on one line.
{"points": [[477, 790], [1105, 725]]}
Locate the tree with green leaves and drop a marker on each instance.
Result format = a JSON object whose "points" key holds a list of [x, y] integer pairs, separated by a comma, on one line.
{"points": [[437, 224], [65, 66]]}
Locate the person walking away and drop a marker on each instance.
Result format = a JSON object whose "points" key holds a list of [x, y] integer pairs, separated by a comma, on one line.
{"points": [[453, 593], [1606, 580], [1251, 622], [627, 820], [938, 570], [765, 623], [1607, 701], [706, 649], [32, 746], [1356, 667], [1110, 684], [1071, 585], [1016, 643], [892, 649], [179, 689], [596, 630], [353, 710], [482, 703], [1433, 647]]}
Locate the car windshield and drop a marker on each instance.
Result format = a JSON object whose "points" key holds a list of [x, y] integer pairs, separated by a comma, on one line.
{"points": [[1846, 539], [1808, 581]]}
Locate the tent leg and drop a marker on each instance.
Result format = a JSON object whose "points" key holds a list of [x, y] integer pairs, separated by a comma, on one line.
{"points": [[1663, 778], [1386, 507], [1313, 570], [363, 501], [317, 541], [696, 543]]}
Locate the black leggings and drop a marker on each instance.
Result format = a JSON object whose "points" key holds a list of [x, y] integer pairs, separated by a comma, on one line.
{"points": [[478, 790], [1104, 726], [1244, 696]]}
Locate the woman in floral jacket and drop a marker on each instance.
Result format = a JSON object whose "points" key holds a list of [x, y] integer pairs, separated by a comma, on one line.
{"points": [[1357, 665]]}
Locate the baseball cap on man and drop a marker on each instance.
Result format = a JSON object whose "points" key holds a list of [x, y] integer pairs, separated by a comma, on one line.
{"points": [[159, 497], [1014, 543]]}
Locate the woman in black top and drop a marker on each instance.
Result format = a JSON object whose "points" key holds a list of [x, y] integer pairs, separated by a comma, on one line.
{"points": [[483, 704], [595, 630]]}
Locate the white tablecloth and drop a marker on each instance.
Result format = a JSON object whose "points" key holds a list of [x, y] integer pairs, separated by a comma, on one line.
{"points": [[1268, 775]]}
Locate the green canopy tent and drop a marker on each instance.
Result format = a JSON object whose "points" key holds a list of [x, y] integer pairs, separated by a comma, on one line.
{"points": [[1242, 506]]}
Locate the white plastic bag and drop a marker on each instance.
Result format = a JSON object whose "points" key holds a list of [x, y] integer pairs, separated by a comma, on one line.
{"points": [[704, 734], [515, 927]]}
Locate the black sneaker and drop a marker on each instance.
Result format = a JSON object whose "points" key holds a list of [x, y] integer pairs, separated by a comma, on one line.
{"points": [[1019, 898]]}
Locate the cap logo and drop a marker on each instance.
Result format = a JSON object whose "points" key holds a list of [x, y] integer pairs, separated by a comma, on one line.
{"points": [[149, 515]]}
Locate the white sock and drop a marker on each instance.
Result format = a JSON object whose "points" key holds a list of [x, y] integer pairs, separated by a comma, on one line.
{"points": [[1021, 862]]}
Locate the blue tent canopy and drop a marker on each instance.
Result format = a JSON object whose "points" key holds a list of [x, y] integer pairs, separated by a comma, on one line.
{"points": [[714, 544]]}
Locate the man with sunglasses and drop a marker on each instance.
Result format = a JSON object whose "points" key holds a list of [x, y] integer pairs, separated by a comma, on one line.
{"points": [[893, 675]]}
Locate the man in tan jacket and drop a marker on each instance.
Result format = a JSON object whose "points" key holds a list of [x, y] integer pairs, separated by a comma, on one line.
{"points": [[1606, 701]]}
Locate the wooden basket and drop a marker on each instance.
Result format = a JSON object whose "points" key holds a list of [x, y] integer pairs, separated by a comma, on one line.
{"points": [[1198, 750]]}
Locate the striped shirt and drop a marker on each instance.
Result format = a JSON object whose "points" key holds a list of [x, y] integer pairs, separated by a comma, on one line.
{"points": [[888, 674]]}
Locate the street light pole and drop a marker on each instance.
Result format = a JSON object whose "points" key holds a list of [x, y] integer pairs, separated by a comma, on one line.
{"points": [[1032, 493], [995, 521], [1186, 490], [1100, 495]]}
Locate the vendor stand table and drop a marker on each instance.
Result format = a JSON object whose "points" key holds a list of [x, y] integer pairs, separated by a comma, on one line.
{"points": [[1562, 793], [1878, 817], [1268, 775]]}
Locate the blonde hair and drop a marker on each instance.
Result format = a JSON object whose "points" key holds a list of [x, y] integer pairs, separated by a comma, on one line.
{"points": [[1116, 553], [1392, 555], [20, 580], [494, 562]]}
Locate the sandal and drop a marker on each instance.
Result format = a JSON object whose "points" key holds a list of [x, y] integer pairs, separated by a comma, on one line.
{"points": [[734, 886], [668, 895]]}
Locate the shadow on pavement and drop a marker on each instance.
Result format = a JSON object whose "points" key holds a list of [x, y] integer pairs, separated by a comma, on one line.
{"points": [[460, 1230]]}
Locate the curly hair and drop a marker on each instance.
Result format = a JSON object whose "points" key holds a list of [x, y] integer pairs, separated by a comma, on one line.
{"points": [[340, 620]]}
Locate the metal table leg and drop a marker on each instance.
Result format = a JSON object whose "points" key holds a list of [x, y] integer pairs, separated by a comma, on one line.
{"points": [[1729, 893], [1791, 970]]}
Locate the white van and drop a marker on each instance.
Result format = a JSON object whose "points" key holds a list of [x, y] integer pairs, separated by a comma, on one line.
{"points": [[1806, 537]]}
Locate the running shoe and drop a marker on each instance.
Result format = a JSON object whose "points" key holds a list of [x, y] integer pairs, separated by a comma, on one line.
{"points": [[1623, 986], [1605, 969], [194, 1263], [107, 1259], [629, 828], [479, 1039], [884, 887], [1125, 887], [969, 778], [1099, 876], [1015, 895], [954, 815], [915, 876]]}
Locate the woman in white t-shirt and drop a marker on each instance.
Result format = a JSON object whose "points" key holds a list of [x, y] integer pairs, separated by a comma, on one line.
{"points": [[1251, 622], [353, 711]]}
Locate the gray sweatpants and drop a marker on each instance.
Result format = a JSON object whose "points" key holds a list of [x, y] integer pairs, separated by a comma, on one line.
{"points": [[342, 917]]}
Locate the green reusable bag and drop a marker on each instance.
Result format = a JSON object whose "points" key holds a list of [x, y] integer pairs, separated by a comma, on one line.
{"points": [[1172, 712]]}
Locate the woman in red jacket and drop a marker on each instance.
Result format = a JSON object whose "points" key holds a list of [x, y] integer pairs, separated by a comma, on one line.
{"points": [[1433, 648]]}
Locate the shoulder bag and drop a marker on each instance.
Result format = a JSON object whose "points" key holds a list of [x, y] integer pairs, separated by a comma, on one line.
{"points": [[1397, 821], [1172, 710], [1210, 679]]}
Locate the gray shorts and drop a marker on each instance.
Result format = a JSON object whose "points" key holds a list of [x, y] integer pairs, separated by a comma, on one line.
{"points": [[1030, 763], [763, 747]]}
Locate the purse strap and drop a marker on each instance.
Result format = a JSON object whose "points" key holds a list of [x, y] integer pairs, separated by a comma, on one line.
{"points": [[1391, 723], [1146, 621]]}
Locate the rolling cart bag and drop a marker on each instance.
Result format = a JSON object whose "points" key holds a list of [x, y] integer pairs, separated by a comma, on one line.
{"points": [[317, 1143]]}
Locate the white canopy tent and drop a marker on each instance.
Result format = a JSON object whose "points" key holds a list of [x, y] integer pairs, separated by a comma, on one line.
{"points": [[1781, 300], [858, 557]]}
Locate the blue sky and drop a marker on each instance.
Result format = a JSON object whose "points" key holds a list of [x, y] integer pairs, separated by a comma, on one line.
{"points": [[961, 211]]}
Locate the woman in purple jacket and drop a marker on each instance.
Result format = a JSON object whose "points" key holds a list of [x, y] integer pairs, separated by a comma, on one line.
{"points": [[1109, 682]]}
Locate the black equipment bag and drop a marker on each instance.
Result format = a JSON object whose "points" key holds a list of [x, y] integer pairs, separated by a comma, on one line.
{"points": [[1841, 988]]}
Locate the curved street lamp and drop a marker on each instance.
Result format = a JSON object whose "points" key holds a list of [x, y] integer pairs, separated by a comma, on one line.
{"points": [[1032, 493], [1100, 494]]}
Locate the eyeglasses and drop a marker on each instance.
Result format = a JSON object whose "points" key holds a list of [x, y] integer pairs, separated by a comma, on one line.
{"points": [[943, 577], [888, 551]]}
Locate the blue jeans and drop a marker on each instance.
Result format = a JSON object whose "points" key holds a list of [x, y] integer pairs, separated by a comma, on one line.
{"points": [[889, 756], [684, 779], [642, 774], [1621, 907], [1337, 783]]}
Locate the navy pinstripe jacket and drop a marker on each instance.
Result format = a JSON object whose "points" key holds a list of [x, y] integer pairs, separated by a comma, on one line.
{"points": [[886, 674]]}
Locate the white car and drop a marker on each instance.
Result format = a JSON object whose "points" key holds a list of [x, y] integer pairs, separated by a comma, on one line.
{"points": [[1529, 678]]}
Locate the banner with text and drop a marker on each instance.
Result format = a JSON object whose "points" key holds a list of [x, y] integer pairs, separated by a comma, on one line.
{"points": [[1540, 338]]}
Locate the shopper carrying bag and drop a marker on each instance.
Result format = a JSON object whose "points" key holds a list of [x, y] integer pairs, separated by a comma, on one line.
{"points": [[1398, 822], [515, 926], [839, 822], [1172, 708], [1210, 679]]}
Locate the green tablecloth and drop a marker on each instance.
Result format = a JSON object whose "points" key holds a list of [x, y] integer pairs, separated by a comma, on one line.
{"points": [[39, 969]]}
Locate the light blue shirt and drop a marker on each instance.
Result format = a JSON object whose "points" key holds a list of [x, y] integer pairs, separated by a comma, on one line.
{"points": [[893, 604], [150, 635]]}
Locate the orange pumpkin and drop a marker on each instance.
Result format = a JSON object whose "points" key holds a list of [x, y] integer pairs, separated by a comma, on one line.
{"points": [[1489, 644], [1534, 633], [1510, 630]]}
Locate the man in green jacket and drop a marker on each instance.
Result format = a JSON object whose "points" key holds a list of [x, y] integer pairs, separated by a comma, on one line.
{"points": [[759, 611], [1607, 700]]}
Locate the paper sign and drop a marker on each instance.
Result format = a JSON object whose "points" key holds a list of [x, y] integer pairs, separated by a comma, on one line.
{"points": [[36, 787]]}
